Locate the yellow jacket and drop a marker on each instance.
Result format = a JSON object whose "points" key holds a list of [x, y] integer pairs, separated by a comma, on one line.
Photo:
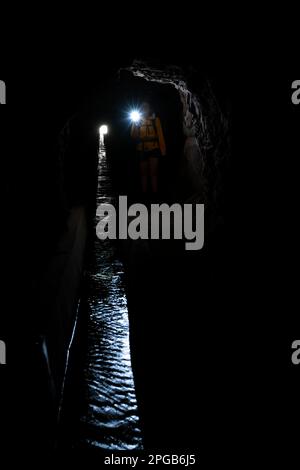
{"points": [[149, 135]]}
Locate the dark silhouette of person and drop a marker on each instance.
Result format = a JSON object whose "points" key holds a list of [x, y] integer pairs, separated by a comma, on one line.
{"points": [[150, 146]]}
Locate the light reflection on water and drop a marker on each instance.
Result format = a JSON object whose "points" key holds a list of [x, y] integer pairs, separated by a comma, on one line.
{"points": [[111, 420]]}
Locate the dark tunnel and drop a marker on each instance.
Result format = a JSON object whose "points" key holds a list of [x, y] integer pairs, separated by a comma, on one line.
{"points": [[172, 297]]}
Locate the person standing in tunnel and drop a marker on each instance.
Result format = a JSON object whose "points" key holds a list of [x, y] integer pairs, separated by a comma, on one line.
{"points": [[150, 146]]}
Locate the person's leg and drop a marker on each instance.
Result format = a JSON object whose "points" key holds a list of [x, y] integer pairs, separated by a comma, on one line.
{"points": [[144, 174], [153, 167]]}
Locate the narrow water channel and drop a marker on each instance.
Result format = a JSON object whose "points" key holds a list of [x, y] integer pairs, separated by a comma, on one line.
{"points": [[110, 421]]}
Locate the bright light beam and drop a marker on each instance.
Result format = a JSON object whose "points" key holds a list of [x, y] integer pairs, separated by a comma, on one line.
{"points": [[103, 130], [135, 116]]}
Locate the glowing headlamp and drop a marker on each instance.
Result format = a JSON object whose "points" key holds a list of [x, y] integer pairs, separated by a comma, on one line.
{"points": [[135, 116]]}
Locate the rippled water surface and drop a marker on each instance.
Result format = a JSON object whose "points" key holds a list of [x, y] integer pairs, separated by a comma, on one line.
{"points": [[111, 420]]}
